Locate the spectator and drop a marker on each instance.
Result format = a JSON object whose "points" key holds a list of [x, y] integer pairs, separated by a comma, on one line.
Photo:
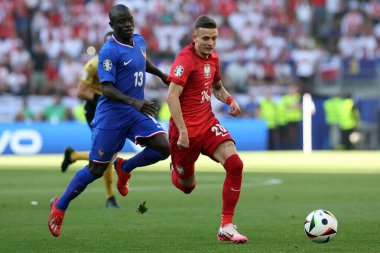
{"points": [[293, 116], [238, 76], [17, 82], [306, 61], [4, 73], [25, 114], [57, 111], [38, 83], [349, 121], [268, 113], [69, 81]]}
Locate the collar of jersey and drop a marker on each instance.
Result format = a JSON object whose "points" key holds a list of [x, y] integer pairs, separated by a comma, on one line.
{"points": [[118, 42]]}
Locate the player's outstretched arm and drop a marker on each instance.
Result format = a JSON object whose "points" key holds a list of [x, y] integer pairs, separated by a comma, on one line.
{"points": [[152, 69], [222, 95], [85, 93], [145, 107]]}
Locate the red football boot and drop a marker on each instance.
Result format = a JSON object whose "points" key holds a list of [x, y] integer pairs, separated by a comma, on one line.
{"points": [[55, 219], [123, 177]]}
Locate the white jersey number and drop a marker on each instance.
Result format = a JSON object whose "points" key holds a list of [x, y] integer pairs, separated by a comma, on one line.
{"points": [[139, 77], [218, 129]]}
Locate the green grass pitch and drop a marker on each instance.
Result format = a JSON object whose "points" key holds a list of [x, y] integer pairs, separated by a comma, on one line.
{"points": [[279, 190]]}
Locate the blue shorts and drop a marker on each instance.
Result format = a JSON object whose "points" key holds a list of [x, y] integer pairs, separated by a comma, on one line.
{"points": [[107, 142]]}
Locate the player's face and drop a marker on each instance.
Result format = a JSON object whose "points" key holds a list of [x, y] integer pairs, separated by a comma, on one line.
{"points": [[123, 24], [205, 41]]}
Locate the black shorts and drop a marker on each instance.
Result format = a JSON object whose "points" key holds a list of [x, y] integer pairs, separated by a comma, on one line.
{"points": [[89, 112]]}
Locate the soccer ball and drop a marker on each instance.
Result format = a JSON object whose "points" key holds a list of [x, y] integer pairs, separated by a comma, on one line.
{"points": [[321, 226]]}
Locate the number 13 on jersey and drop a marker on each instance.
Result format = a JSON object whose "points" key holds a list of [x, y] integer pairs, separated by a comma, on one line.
{"points": [[139, 78]]}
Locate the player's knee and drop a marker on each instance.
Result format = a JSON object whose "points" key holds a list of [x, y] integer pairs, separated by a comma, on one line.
{"points": [[234, 165], [165, 151], [188, 185], [188, 190], [97, 169]]}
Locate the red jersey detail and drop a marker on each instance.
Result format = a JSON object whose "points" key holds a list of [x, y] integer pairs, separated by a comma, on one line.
{"points": [[196, 75]]}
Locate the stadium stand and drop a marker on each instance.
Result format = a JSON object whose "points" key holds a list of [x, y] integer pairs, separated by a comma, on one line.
{"points": [[327, 47]]}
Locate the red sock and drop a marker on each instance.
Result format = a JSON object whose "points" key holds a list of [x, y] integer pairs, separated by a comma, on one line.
{"points": [[231, 187], [177, 183]]}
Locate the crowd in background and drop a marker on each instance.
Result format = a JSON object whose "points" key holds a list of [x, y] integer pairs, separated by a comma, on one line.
{"points": [[264, 45]]}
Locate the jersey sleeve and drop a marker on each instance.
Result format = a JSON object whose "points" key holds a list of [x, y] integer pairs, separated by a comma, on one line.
{"points": [[107, 64], [181, 69]]}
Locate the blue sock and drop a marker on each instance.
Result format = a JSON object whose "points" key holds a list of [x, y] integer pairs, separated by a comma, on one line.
{"points": [[146, 157], [77, 185]]}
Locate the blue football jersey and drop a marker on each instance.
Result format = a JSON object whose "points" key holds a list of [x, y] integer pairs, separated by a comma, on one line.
{"points": [[124, 66]]}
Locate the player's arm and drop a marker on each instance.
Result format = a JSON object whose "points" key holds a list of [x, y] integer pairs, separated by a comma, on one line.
{"points": [[175, 90], [146, 107], [152, 69], [222, 95], [85, 93]]}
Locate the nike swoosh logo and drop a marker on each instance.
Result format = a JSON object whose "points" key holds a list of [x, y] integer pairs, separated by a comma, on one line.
{"points": [[230, 235], [126, 63], [206, 83], [234, 190]]}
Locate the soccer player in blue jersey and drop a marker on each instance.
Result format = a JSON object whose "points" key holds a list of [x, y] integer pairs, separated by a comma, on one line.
{"points": [[122, 112]]}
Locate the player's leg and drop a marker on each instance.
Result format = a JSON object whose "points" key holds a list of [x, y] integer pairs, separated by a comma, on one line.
{"points": [[182, 164], [71, 156], [157, 149], [186, 185], [220, 146], [99, 159], [227, 155], [108, 181], [76, 186]]}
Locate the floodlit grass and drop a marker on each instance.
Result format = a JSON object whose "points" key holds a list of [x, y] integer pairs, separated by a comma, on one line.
{"points": [[279, 190]]}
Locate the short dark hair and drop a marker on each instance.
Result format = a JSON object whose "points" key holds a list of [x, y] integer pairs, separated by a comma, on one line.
{"points": [[204, 22], [117, 9]]}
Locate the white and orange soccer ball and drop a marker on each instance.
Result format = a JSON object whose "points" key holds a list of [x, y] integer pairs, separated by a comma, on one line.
{"points": [[321, 226]]}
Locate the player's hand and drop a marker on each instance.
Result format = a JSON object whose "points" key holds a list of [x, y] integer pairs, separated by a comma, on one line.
{"points": [[183, 141], [234, 108], [146, 107], [164, 79]]}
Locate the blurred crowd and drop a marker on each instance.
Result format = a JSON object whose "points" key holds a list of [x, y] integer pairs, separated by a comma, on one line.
{"points": [[264, 45]]}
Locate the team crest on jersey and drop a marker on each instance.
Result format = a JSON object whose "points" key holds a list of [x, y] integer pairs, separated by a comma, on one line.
{"points": [[207, 70], [101, 153], [178, 71], [107, 64]]}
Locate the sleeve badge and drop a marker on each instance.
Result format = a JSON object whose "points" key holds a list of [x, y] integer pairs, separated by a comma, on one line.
{"points": [[178, 71], [107, 64]]}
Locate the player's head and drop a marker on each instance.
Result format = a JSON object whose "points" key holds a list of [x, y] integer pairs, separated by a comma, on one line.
{"points": [[121, 21], [205, 35], [108, 36]]}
